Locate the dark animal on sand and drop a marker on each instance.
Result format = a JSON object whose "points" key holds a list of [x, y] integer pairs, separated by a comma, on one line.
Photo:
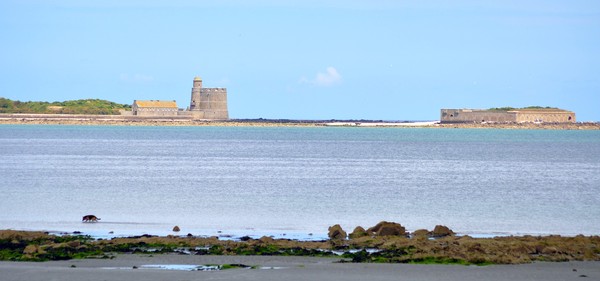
{"points": [[90, 218]]}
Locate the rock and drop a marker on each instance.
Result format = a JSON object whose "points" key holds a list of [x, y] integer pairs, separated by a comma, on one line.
{"points": [[385, 228], [245, 238], [392, 230], [358, 232], [336, 233], [441, 231], [266, 240], [420, 233], [176, 229], [550, 251], [30, 249]]}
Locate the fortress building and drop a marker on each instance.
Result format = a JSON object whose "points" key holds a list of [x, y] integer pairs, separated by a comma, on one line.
{"points": [[208, 103], [524, 115], [154, 108]]}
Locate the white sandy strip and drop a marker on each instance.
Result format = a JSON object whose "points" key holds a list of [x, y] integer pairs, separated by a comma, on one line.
{"points": [[383, 124]]}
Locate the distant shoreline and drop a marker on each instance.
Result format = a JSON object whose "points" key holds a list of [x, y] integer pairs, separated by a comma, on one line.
{"points": [[122, 120]]}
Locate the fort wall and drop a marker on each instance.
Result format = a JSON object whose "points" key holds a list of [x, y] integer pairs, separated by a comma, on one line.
{"points": [[155, 112], [498, 116], [471, 115], [550, 117]]}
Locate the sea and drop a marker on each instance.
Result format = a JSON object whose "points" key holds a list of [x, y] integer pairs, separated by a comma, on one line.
{"points": [[295, 182]]}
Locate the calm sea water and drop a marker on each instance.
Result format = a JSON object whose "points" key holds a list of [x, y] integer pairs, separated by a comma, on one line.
{"points": [[295, 181]]}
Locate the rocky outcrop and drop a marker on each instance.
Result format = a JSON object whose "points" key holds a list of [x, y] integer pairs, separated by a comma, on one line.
{"points": [[336, 233], [266, 240], [441, 231], [420, 233], [358, 232], [385, 228], [39, 246]]}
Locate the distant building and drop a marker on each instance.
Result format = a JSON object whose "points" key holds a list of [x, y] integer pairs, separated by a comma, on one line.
{"points": [[154, 108], [532, 115], [208, 103]]}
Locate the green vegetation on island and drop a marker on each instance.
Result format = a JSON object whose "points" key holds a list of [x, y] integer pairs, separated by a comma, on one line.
{"points": [[508, 108], [83, 106]]}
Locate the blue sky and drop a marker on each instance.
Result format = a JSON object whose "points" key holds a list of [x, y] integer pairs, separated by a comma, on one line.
{"points": [[378, 59]]}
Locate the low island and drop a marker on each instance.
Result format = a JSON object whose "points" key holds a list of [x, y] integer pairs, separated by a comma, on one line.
{"points": [[101, 112]]}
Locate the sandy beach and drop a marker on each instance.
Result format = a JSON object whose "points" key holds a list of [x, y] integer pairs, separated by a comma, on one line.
{"points": [[284, 268]]}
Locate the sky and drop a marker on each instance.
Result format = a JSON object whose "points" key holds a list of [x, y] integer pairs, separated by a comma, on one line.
{"points": [[377, 59]]}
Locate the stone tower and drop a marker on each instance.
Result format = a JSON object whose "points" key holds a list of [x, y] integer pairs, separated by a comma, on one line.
{"points": [[208, 103], [196, 88]]}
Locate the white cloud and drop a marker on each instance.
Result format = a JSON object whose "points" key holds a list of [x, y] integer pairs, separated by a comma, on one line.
{"points": [[329, 78]]}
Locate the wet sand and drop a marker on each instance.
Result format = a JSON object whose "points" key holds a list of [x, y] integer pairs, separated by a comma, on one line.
{"points": [[285, 268]]}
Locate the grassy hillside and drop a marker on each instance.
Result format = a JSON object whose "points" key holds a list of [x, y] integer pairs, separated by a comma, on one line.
{"points": [[87, 106]]}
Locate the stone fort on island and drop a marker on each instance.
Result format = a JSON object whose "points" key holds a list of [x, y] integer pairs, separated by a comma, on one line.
{"points": [[524, 115], [206, 103]]}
